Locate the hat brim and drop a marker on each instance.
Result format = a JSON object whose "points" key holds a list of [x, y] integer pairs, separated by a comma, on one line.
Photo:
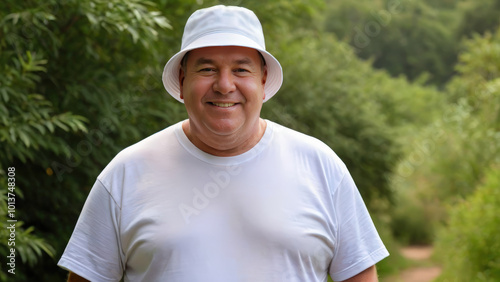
{"points": [[170, 75]]}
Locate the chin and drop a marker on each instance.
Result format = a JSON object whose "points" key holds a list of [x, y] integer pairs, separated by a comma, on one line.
{"points": [[224, 129]]}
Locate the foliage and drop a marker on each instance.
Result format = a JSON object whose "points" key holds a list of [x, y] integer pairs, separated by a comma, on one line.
{"points": [[469, 245], [28, 247], [78, 77], [445, 161], [478, 17], [478, 66], [403, 37], [418, 39], [395, 261], [26, 115]]}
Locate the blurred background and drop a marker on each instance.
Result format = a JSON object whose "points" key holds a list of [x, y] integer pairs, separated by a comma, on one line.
{"points": [[407, 92]]}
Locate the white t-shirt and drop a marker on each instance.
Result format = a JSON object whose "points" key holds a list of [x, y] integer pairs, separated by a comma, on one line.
{"points": [[163, 210]]}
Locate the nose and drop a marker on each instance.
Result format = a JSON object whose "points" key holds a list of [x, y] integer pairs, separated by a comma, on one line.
{"points": [[224, 82]]}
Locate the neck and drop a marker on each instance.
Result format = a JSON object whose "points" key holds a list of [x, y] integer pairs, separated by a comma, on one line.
{"points": [[226, 145]]}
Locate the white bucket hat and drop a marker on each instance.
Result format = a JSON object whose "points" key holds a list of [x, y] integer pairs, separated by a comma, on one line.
{"points": [[222, 26]]}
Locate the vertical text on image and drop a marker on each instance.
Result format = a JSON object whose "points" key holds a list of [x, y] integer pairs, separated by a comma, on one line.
{"points": [[11, 221]]}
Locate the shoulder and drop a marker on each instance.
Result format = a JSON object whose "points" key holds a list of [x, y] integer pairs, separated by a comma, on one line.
{"points": [[304, 146], [301, 142], [148, 150], [153, 144]]}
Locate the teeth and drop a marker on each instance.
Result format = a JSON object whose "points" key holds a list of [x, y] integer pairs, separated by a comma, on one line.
{"points": [[223, 105]]}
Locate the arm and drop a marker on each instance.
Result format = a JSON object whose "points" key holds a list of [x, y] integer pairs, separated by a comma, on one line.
{"points": [[359, 245], [93, 250], [367, 275], [73, 277]]}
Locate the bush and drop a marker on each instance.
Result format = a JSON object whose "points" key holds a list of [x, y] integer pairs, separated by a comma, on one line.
{"points": [[79, 81], [445, 162], [469, 246], [409, 38], [412, 222], [395, 261]]}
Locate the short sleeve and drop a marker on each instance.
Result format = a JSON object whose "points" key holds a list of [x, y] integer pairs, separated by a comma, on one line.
{"points": [[358, 245], [94, 251]]}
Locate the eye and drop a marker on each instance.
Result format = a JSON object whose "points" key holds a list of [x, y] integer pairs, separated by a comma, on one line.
{"points": [[206, 70], [241, 70]]}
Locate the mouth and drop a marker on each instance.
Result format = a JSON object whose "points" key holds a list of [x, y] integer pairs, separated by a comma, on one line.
{"points": [[222, 105]]}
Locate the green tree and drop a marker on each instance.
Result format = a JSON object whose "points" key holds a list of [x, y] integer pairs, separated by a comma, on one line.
{"points": [[445, 162], [79, 82], [478, 17], [27, 248], [469, 245], [408, 38]]}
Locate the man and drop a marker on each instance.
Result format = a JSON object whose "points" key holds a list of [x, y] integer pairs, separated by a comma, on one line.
{"points": [[224, 195]]}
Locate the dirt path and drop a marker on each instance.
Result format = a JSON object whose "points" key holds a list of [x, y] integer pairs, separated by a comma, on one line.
{"points": [[416, 274]]}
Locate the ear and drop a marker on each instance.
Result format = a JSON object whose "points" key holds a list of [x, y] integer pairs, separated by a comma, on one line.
{"points": [[181, 82], [264, 75]]}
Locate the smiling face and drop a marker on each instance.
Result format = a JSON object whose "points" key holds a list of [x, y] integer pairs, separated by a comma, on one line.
{"points": [[223, 91]]}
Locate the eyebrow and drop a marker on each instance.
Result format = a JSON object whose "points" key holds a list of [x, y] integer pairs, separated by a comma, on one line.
{"points": [[202, 61]]}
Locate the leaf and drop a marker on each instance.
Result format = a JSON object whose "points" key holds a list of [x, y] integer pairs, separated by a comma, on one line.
{"points": [[4, 112], [39, 127], [137, 14], [24, 138], [80, 125], [60, 124], [3, 135], [92, 19], [13, 136], [15, 17], [5, 95], [50, 126], [133, 32], [162, 22], [152, 31], [48, 249]]}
